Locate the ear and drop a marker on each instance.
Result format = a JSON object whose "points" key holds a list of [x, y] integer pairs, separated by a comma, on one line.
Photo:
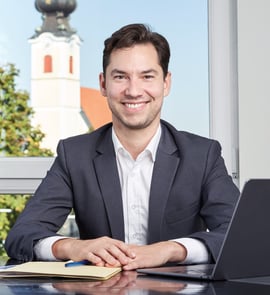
{"points": [[102, 85], [167, 84]]}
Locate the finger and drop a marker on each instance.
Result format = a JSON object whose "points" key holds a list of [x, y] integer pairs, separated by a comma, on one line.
{"points": [[126, 250], [108, 256], [113, 253], [96, 260], [119, 255], [131, 266]]}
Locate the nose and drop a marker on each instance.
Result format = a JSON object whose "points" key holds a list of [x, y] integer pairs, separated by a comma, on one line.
{"points": [[134, 88]]}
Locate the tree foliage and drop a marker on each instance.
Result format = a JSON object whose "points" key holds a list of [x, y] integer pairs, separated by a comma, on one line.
{"points": [[17, 138]]}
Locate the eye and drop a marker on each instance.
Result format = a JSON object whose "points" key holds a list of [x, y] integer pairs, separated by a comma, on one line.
{"points": [[149, 77], [119, 77]]}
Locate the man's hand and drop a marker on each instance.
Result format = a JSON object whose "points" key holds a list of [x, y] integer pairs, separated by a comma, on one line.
{"points": [[156, 255], [102, 251], [106, 251]]}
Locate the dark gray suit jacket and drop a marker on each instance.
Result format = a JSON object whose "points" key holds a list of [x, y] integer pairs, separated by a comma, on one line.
{"points": [[191, 191]]}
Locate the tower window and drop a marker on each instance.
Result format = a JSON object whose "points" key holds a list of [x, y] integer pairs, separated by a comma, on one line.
{"points": [[47, 64], [71, 64]]}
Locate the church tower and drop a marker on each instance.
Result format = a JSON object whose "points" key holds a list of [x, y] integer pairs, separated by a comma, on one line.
{"points": [[55, 73]]}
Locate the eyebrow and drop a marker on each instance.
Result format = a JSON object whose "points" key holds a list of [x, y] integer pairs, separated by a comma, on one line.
{"points": [[116, 71]]}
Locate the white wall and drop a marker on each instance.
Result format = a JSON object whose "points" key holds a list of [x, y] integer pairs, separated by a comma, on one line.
{"points": [[254, 88]]}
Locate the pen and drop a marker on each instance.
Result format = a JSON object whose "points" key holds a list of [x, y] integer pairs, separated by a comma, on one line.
{"points": [[77, 263]]}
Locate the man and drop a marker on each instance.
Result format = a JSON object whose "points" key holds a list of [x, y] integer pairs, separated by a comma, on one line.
{"points": [[143, 193]]}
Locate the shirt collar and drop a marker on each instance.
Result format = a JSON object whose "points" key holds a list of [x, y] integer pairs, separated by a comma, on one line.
{"points": [[151, 147]]}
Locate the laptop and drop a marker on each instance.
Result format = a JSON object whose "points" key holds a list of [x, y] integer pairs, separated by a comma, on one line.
{"points": [[245, 251]]}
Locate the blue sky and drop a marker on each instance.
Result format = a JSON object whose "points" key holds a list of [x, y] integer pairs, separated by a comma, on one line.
{"points": [[182, 22]]}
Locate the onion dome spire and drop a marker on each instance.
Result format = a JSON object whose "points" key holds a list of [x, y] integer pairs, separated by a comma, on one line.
{"points": [[55, 15]]}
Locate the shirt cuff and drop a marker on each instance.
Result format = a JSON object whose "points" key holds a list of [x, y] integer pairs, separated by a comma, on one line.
{"points": [[43, 248], [196, 250]]}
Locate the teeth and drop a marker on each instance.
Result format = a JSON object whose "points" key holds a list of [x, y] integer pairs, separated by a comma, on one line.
{"points": [[133, 105]]}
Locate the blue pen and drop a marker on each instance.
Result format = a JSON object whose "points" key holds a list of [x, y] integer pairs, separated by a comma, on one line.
{"points": [[77, 263]]}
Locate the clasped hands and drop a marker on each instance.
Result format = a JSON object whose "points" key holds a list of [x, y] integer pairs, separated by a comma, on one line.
{"points": [[105, 251]]}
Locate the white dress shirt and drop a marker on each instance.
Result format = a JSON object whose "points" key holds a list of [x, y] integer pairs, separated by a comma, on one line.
{"points": [[135, 179]]}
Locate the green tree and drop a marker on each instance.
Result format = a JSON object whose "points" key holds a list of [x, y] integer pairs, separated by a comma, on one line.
{"points": [[17, 138]]}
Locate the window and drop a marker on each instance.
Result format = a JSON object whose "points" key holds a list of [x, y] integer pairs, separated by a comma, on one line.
{"points": [[185, 24], [71, 64], [48, 64]]}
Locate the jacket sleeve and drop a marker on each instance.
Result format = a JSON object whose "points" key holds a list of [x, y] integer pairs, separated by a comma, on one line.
{"points": [[45, 212], [219, 196]]}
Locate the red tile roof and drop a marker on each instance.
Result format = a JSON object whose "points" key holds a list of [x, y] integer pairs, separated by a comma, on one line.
{"points": [[95, 107]]}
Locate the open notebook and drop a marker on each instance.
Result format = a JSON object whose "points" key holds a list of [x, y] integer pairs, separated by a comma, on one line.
{"points": [[246, 248], [58, 269]]}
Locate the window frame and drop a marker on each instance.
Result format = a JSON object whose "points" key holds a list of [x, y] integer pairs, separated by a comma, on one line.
{"points": [[22, 175], [223, 81]]}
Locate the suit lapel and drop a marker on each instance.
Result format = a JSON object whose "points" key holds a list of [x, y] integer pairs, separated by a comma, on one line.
{"points": [[107, 174], [165, 167]]}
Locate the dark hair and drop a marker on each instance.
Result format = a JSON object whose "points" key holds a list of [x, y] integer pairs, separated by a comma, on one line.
{"points": [[133, 34]]}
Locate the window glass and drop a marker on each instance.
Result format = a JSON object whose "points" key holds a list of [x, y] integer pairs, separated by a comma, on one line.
{"points": [[182, 22]]}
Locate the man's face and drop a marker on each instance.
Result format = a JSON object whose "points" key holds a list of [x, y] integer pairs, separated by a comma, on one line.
{"points": [[135, 86]]}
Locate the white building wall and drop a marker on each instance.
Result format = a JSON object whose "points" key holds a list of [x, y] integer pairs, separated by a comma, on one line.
{"points": [[55, 96]]}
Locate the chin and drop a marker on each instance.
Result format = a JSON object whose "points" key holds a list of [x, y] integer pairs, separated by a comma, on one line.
{"points": [[137, 126]]}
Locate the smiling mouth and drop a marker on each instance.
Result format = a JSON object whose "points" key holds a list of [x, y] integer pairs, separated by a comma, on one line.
{"points": [[134, 105]]}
